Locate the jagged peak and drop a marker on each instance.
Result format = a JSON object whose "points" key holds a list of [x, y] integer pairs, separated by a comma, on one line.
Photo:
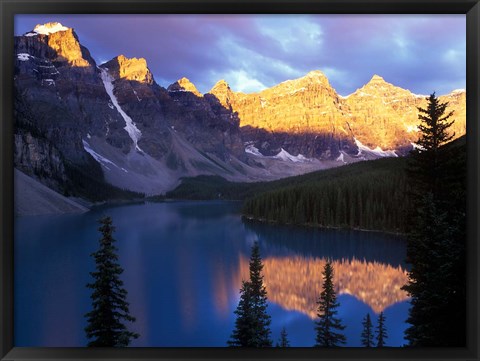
{"points": [[315, 74], [292, 86], [64, 41], [220, 86], [49, 28], [122, 59], [378, 87], [184, 84], [221, 83], [376, 78], [135, 69]]}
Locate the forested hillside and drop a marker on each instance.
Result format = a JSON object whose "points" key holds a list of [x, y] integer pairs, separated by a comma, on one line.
{"points": [[370, 195], [366, 195]]}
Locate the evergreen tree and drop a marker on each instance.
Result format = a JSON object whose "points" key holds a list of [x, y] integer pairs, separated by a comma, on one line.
{"points": [[436, 236], [381, 331], [243, 335], [106, 327], [328, 323], [283, 342], [425, 161], [252, 326], [367, 334]]}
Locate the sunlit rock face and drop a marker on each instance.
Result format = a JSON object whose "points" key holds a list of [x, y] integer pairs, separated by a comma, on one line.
{"points": [[392, 113], [379, 114], [294, 106], [295, 283], [132, 69], [184, 85], [156, 136], [62, 45]]}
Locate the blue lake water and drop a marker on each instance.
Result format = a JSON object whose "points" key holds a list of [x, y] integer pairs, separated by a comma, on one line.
{"points": [[184, 262]]}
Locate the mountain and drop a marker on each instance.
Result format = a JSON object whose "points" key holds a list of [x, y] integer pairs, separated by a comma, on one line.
{"points": [[306, 116], [99, 130], [112, 123], [34, 198]]}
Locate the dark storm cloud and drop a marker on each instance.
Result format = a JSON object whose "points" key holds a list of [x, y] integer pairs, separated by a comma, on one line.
{"points": [[420, 53]]}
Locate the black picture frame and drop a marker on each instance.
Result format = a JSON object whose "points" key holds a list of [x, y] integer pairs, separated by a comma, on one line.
{"points": [[8, 9]]}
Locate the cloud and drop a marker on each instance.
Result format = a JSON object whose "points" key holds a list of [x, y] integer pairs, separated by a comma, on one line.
{"points": [[418, 52]]}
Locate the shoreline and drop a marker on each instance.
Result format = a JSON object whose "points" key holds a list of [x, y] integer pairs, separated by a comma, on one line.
{"points": [[250, 218]]}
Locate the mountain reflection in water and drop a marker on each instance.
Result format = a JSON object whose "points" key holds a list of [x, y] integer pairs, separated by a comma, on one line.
{"points": [[295, 283], [184, 262]]}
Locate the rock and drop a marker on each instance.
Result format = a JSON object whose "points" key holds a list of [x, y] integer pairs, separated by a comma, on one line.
{"points": [[184, 84]]}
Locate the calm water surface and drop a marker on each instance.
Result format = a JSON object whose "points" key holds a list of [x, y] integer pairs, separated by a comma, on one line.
{"points": [[184, 262]]}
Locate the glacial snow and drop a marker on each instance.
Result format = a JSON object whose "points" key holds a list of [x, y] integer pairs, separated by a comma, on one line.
{"points": [[48, 29], [284, 155], [377, 151], [250, 148], [416, 146], [24, 56], [100, 159], [412, 128], [130, 126], [341, 158]]}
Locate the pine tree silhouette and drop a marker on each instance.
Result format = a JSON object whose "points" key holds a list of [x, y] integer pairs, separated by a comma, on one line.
{"points": [[106, 327], [328, 324], [367, 333], [252, 326]]}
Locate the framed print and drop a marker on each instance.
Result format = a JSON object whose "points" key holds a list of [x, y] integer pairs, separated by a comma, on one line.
{"points": [[239, 180]]}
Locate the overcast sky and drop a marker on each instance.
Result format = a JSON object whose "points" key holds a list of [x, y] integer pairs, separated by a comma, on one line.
{"points": [[251, 52]]}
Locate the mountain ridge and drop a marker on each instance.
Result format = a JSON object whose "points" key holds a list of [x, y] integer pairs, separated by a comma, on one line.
{"points": [[115, 119]]}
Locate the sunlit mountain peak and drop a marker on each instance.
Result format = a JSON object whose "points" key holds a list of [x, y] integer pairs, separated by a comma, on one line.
{"points": [[49, 28]]}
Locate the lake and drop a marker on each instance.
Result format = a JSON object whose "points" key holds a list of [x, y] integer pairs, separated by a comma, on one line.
{"points": [[184, 263]]}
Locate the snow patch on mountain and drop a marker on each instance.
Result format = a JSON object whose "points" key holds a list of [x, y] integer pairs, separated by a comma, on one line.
{"points": [[24, 56], [416, 146], [341, 158], [130, 126], [284, 155], [377, 151], [49, 28], [412, 128], [250, 148], [100, 159]]}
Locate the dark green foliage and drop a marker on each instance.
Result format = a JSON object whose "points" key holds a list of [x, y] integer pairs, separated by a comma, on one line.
{"points": [[426, 165], [367, 333], [366, 195], [106, 327], [283, 341], [207, 187], [436, 236], [243, 334], [252, 326], [381, 331], [328, 324], [92, 186]]}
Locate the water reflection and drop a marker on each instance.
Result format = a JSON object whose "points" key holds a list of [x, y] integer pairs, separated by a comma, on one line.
{"points": [[184, 263], [331, 243], [296, 282]]}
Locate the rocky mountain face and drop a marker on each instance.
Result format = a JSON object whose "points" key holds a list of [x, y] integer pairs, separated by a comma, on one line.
{"points": [[306, 116], [114, 123]]}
